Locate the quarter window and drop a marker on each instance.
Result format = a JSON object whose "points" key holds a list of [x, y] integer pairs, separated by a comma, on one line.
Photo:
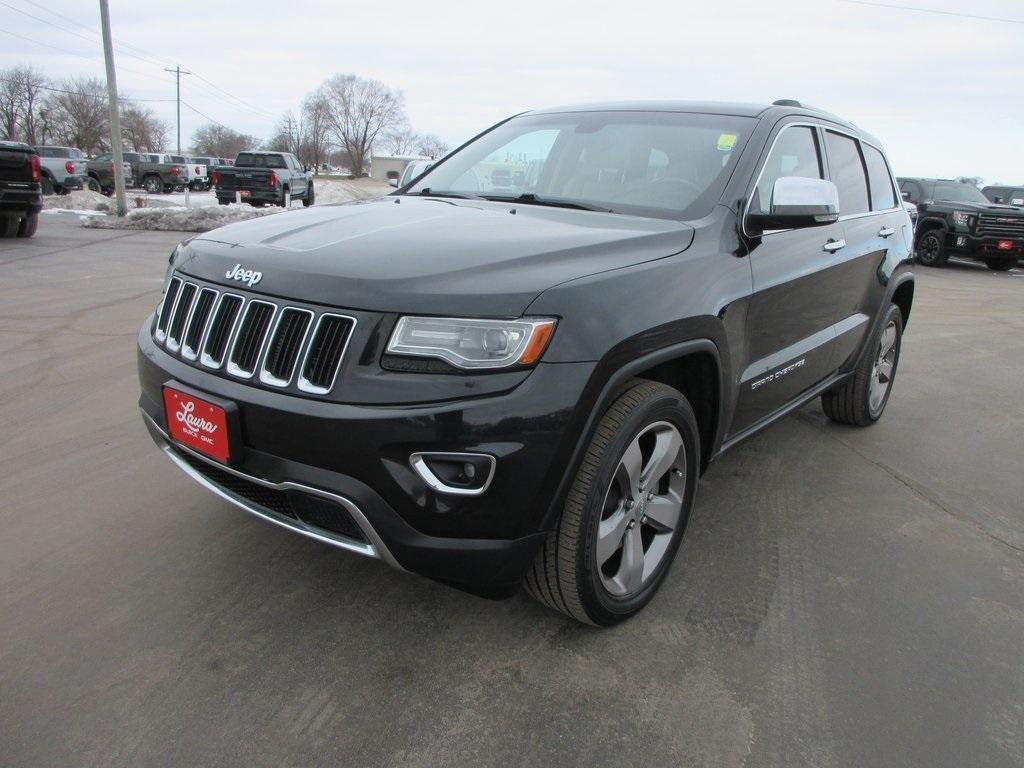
{"points": [[847, 173], [795, 154], [882, 196]]}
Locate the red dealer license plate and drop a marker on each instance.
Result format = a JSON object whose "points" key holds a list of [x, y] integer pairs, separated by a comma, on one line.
{"points": [[200, 425], [1005, 245], [246, 192]]}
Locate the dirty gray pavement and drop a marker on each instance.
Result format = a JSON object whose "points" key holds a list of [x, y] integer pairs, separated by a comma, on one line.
{"points": [[842, 598]]}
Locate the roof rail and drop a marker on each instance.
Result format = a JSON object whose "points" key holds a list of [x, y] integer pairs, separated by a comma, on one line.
{"points": [[787, 103]]}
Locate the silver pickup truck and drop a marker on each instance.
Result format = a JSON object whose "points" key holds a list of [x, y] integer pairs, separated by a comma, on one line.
{"points": [[63, 169]]}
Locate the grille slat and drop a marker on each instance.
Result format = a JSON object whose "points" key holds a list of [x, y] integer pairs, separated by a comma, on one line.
{"points": [[253, 330], [181, 313], [167, 308], [285, 343], [220, 330], [989, 224], [323, 358], [196, 326]]}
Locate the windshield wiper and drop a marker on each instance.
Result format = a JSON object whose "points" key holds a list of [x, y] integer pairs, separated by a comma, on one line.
{"points": [[428, 192], [531, 199]]}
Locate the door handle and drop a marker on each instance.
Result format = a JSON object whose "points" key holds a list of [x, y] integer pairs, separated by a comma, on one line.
{"points": [[886, 232], [834, 245]]}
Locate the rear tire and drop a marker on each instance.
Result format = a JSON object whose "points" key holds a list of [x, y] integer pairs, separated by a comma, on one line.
{"points": [[861, 400], [626, 511], [931, 250], [153, 185], [9, 226], [47, 185], [1000, 265], [28, 225], [93, 185], [310, 197]]}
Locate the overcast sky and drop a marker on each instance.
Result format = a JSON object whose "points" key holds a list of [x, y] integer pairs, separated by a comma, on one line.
{"points": [[942, 92]]}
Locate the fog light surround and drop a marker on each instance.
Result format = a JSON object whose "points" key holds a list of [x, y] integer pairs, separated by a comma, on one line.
{"points": [[455, 474]]}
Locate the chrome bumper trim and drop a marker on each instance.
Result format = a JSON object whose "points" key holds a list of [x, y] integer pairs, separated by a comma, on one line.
{"points": [[375, 548]]}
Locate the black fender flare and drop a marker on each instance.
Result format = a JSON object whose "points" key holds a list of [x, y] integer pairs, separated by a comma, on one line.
{"points": [[611, 388]]}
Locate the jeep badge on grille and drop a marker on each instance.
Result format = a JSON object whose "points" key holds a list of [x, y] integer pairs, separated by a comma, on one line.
{"points": [[247, 276]]}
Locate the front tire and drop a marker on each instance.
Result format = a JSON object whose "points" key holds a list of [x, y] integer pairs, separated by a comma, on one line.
{"points": [[1000, 265], [861, 400], [93, 185], [931, 250], [626, 512]]}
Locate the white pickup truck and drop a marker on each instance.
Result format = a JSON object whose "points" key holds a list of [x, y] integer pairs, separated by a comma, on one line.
{"points": [[198, 178]]}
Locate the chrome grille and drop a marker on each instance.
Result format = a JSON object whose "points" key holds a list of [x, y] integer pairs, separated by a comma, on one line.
{"points": [[320, 366], [182, 309], [248, 342], [1000, 226], [273, 344], [219, 332], [285, 342], [196, 323]]}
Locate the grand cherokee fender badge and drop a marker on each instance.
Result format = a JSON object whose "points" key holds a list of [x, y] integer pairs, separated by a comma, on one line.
{"points": [[248, 276]]}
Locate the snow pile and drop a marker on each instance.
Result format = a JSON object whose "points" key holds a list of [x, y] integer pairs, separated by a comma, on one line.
{"points": [[178, 218], [342, 191], [80, 200]]}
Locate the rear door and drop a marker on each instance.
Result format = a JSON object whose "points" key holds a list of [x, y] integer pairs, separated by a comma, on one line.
{"points": [[791, 315], [876, 231]]}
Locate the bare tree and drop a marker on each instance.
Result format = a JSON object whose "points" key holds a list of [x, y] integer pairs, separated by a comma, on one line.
{"points": [[361, 111], [77, 114], [975, 181], [21, 96], [286, 136], [317, 126], [141, 129], [401, 141], [220, 141], [432, 147]]}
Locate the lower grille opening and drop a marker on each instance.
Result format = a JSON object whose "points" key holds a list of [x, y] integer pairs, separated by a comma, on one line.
{"points": [[311, 509]]}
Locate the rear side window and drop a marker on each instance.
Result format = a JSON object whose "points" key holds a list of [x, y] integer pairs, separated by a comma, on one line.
{"points": [[847, 173], [795, 154], [882, 195]]}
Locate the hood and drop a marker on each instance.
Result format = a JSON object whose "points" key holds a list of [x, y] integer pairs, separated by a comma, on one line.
{"points": [[1014, 211], [423, 255]]}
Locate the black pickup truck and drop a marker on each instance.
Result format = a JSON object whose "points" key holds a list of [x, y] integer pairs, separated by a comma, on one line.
{"points": [[20, 192], [263, 177], [956, 219]]}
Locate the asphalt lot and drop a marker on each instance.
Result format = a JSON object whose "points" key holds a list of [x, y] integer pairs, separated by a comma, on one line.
{"points": [[843, 597]]}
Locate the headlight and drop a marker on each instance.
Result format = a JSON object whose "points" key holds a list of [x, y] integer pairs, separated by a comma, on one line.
{"points": [[961, 219], [472, 344]]}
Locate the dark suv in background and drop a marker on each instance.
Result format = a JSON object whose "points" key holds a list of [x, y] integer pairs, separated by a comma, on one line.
{"points": [[956, 219], [498, 379]]}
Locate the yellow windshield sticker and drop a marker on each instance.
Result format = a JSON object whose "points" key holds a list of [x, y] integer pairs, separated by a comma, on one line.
{"points": [[726, 142]]}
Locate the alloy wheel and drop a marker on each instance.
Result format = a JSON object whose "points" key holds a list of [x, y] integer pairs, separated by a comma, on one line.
{"points": [[642, 509], [883, 369]]}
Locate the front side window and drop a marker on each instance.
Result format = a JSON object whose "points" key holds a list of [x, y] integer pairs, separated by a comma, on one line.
{"points": [[847, 173], [795, 153], [660, 164], [882, 196]]}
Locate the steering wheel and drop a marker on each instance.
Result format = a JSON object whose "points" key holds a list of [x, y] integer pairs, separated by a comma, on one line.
{"points": [[669, 188]]}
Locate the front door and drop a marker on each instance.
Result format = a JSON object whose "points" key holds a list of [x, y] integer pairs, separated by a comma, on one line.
{"points": [[791, 330]]}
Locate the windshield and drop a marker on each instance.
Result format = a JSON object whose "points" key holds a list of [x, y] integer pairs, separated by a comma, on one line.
{"points": [[959, 193], [260, 161], [661, 164]]}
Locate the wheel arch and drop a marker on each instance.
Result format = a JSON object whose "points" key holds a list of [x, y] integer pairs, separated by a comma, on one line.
{"points": [[928, 225], [903, 297]]}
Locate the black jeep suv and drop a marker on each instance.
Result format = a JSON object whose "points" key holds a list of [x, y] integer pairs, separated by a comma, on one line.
{"points": [[956, 219], [492, 387]]}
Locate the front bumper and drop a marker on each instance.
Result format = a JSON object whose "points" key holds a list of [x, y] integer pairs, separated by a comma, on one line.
{"points": [[358, 457], [983, 246]]}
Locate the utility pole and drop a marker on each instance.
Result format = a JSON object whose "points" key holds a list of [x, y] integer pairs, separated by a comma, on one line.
{"points": [[291, 140], [120, 206], [178, 72]]}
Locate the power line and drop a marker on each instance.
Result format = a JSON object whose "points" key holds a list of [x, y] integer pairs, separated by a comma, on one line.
{"points": [[935, 11], [230, 95], [89, 95]]}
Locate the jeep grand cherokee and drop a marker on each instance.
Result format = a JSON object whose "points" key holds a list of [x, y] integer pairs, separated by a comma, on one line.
{"points": [[514, 370]]}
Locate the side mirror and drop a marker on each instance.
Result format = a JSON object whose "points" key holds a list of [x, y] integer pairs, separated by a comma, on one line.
{"points": [[905, 195], [393, 183], [798, 202]]}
